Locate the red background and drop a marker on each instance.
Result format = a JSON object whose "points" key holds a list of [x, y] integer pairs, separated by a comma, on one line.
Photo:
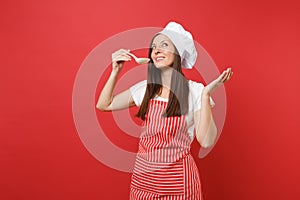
{"points": [[43, 44]]}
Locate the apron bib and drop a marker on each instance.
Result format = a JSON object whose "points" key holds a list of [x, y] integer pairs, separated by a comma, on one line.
{"points": [[164, 143]]}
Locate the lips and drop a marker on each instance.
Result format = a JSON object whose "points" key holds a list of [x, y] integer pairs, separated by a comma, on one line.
{"points": [[159, 58]]}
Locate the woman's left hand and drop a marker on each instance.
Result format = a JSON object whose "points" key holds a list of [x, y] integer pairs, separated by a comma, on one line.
{"points": [[224, 77]]}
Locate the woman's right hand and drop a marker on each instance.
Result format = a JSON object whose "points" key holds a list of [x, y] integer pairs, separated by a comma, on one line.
{"points": [[118, 59]]}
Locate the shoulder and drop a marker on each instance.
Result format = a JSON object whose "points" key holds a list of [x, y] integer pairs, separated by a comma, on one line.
{"points": [[138, 91], [138, 86], [141, 83], [195, 94], [195, 86]]}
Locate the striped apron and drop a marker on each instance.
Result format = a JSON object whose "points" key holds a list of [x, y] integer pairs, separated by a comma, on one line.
{"points": [[164, 167]]}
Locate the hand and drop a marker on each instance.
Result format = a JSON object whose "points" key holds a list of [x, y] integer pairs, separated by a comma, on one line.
{"points": [[118, 59], [224, 77]]}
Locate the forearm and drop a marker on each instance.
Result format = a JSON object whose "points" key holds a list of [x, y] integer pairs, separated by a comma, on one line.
{"points": [[206, 130], [106, 95]]}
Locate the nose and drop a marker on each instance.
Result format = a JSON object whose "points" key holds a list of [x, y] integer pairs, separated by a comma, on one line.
{"points": [[156, 50]]}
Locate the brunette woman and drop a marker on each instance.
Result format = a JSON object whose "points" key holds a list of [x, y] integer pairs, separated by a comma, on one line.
{"points": [[174, 110]]}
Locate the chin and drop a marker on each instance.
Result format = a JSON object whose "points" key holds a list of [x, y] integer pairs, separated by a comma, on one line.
{"points": [[160, 65]]}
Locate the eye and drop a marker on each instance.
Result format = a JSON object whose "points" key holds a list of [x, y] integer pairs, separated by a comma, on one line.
{"points": [[164, 44], [153, 47]]}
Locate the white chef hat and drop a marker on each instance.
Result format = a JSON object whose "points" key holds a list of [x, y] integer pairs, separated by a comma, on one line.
{"points": [[183, 41]]}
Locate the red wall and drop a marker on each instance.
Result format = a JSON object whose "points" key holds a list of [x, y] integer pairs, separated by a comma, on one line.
{"points": [[43, 44]]}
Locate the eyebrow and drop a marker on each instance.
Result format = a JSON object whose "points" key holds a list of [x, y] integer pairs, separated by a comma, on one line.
{"points": [[161, 41]]}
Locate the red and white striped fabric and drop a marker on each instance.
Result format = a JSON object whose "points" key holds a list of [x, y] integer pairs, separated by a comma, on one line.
{"points": [[164, 168]]}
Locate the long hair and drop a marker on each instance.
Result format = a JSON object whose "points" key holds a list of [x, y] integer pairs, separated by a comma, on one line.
{"points": [[179, 90]]}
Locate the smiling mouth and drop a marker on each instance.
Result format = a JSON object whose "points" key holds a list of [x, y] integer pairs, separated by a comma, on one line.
{"points": [[159, 59]]}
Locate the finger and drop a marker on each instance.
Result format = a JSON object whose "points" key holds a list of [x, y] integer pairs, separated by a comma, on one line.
{"points": [[124, 51], [125, 55], [226, 75], [122, 58], [120, 52], [230, 75], [222, 75], [224, 79]]}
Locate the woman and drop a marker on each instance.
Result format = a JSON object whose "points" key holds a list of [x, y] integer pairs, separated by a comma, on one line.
{"points": [[173, 109]]}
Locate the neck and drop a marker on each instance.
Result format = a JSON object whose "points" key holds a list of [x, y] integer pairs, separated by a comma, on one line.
{"points": [[166, 76]]}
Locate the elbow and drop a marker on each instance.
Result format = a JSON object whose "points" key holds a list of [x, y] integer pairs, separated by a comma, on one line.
{"points": [[101, 107], [204, 143], [209, 139]]}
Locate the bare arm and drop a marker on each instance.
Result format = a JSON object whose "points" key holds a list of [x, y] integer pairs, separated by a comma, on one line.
{"points": [[206, 130], [107, 101]]}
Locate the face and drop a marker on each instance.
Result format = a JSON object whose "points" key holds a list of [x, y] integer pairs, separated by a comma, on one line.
{"points": [[163, 51]]}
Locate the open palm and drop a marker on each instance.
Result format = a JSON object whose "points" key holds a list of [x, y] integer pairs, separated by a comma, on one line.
{"points": [[224, 77]]}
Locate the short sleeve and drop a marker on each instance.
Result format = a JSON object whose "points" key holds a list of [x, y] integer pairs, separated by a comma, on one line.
{"points": [[196, 91], [138, 91]]}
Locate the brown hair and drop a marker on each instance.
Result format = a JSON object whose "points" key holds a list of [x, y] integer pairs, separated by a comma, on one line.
{"points": [[179, 90]]}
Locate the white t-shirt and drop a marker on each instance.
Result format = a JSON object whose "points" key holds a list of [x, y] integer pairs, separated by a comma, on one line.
{"points": [[138, 91]]}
